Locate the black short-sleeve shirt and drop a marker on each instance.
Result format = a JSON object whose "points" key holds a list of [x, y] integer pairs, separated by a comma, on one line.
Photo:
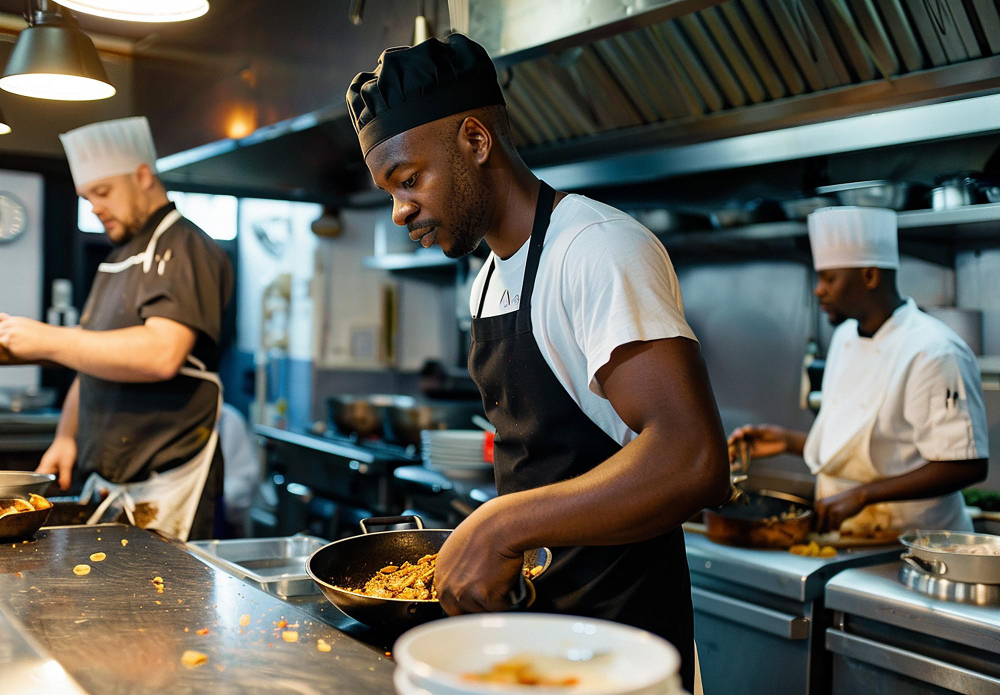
{"points": [[126, 431]]}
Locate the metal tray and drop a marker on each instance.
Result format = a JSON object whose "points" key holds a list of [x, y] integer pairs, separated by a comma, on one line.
{"points": [[275, 565]]}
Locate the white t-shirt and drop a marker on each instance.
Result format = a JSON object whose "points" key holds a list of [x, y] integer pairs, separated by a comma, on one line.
{"points": [[603, 281]]}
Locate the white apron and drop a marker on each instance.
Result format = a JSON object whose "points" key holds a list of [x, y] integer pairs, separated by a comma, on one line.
{"points": [[838, 449], [166, 501]]}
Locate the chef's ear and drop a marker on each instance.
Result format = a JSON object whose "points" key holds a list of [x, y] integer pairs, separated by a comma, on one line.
{"points": [[872, 277], [145, 177], [476, 137]]}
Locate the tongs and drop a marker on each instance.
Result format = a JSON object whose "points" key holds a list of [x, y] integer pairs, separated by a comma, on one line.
{"points": [[739, 464]]}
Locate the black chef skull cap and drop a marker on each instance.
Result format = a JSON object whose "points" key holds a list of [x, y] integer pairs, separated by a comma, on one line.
{"points": [[414, 85]]}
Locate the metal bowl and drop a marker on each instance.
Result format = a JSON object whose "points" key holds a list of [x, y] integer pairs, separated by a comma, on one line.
{"points": [[20, 484], [869, 194]]}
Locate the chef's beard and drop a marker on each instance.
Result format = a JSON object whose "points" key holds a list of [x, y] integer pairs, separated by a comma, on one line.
{"points": [[467, 209]]}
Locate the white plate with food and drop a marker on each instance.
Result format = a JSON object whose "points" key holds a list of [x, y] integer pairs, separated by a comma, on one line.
{"points": [[536, 653]]}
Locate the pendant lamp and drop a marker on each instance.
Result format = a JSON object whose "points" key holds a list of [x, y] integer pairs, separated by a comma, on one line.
{"points": [[53, 59], [4, 128], [148, 11]]}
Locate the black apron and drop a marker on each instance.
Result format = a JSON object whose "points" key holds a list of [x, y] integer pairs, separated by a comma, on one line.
{"points": [[543, 437]]}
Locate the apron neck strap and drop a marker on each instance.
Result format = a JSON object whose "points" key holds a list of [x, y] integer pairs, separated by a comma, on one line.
{"points": [[543, 212]]}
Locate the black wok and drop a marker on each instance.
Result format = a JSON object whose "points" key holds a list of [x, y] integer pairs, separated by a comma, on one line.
{"points": [[21, 525], [353, 561]]}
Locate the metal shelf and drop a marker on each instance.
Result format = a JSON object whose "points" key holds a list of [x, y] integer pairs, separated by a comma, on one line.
{"points": [[965, 223]]}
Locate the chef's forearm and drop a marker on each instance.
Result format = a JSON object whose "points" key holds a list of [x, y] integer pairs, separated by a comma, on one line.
{"points": [[934, 479], [137, 355], [641, 492], [69, 418], [796, 441]]}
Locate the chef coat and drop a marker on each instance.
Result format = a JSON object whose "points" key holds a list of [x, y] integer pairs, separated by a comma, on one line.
{"points": [[128, 430], [910, 394]]}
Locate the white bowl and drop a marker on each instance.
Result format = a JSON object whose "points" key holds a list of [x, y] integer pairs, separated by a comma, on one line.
{"points": [[404, 686], [631, 662]]}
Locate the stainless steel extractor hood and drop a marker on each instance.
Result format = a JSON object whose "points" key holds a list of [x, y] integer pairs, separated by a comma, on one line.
{"points": [[587, 80], [601, 84]]}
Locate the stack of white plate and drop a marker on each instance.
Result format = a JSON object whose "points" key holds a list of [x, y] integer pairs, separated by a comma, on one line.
{"points": [[604, 657], [455, 453]]}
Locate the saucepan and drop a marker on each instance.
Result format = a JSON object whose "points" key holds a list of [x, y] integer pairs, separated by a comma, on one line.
{"points": [[973, 558], [351, 562]]}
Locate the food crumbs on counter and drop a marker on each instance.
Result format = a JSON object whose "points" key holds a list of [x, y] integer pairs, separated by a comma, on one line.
{"points": [[124, 542], [388, 653], [221, 667], [98, 538], [81, 570], [282, 623], [193, 659], [157, 603], [290, 636], [371, 668], [98, 557], [186, 629], [245, 619], [202, 631], [322, 645]]}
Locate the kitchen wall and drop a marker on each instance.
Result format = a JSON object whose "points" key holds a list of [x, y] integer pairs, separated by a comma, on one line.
{"points": [[333, 300], [21, 265]]}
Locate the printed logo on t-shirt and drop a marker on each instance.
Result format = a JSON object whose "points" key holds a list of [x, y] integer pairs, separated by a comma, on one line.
{"points": [[506, 302]]}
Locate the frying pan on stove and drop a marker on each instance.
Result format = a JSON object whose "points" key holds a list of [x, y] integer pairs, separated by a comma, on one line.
{"points": [[353, 561], [753, 524]]}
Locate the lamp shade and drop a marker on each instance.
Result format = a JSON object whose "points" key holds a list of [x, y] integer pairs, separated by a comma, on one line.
{"points": [[56, 61], [4, 128], [148, 11]]}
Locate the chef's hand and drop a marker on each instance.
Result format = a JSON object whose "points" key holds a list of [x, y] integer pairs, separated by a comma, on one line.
{"points": [[475, 571], [764, 440], [59, 458], [832, 511], [25, 339]]}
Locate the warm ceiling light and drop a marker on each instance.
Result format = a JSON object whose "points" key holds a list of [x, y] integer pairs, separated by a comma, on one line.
{"points": [[53, 59], [4, 128], [140, 10]]}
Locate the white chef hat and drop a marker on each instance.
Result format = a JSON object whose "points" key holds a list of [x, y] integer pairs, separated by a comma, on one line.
{"points": [[854, 237], [109, 148]]}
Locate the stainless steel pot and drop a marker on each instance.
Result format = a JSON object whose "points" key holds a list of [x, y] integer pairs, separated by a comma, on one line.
{"points": [[362, 415], [403, 422], [801, 208], [949, 555], [953, 193], [869, 194]]}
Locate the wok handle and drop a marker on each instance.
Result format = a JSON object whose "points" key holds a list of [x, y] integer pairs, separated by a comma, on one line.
{"points": [[929, 566], [391, 521]]}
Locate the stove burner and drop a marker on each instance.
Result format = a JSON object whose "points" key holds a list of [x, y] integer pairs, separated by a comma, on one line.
{"points": [[945, 590]]}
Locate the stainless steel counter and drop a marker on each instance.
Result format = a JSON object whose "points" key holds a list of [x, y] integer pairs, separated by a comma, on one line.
{"points": [[876, 593], [777, 571], [112, 632]]}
